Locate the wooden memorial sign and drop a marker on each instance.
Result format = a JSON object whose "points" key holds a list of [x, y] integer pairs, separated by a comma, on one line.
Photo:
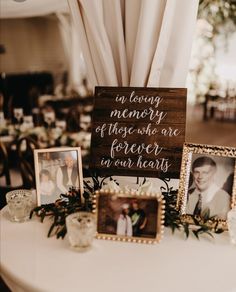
{"points": [[138, 131]]}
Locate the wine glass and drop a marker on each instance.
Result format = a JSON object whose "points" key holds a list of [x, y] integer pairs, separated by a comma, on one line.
{"points": [[61, 125], [28, 122], [49, 118], [18, 114], [2, 119]]}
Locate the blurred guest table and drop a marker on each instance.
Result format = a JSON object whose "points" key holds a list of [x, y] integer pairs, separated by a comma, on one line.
{"points": [[62, 104], [219, 108], [46, 137], [6, 139], [32, 262]]}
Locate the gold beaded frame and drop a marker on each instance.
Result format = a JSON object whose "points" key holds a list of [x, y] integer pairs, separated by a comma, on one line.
{"points": [[187, 158], [127, 197]]}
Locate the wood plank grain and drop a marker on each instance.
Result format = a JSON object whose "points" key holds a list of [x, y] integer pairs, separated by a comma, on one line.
{"points": [[138, 131]]}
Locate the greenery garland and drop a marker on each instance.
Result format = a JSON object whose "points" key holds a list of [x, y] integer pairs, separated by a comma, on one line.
{"points": [[189, 223], [72, 202]]}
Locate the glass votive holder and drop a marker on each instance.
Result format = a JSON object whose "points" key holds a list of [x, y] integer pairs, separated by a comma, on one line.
{"points": [[20, 203], [49, 117], [61, 125], [81, 228], [231, 221], [28, 122], [18, 114]]}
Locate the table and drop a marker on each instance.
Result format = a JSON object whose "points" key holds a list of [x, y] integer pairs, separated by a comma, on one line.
{"points": [[32, 262], [6, 139], [45, 138]]}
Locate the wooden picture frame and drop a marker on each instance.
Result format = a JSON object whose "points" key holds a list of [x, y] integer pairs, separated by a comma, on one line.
{"points": [[207, 186], [129, 217], [56, 169]]}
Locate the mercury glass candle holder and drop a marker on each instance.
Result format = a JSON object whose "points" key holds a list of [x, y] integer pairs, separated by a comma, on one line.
{"points": [[20, 203], [231, 221], [81, 228]]}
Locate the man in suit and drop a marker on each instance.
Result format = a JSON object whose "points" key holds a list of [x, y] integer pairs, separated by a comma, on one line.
{"points": [[138, 219], [67, 175], [206, 196]]}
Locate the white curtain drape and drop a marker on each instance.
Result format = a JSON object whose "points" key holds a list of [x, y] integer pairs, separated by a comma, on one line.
{"points": [[135, 42], [73, 52]]}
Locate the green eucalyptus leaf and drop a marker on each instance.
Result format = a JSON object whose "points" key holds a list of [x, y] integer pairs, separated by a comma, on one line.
{"points": [[206, 214], [195, 232], [51, 229], [209, 233], [186, 230], [218, 231], [196, 220]]}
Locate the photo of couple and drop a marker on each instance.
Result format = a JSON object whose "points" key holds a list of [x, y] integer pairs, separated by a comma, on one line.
{"points": [[127, 217], [132, 220]]}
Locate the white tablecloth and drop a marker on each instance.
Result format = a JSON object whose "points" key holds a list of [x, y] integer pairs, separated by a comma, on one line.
{"points": [[32, 262]]}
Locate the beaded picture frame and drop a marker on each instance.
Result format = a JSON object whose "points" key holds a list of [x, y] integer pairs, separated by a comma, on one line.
{"points": [[129, 216]]}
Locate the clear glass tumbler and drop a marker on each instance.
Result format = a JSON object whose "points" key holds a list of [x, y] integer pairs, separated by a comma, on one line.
{"points": [[20, 203], [231, 221], [81, 229]]}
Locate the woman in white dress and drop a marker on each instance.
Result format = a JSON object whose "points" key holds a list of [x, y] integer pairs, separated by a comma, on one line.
{"points": [[47, 187], [124, 224]]}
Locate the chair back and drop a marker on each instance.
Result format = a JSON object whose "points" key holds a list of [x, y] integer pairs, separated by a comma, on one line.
{"points": [[25, 151], [4, 164]]}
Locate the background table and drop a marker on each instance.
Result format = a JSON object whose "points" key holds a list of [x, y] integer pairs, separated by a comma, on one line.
{"points": [[32, 262]]}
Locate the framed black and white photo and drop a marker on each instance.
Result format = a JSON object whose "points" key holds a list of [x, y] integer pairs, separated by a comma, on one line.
{"points": [[129, 217], [56, 171], [207, 183]]}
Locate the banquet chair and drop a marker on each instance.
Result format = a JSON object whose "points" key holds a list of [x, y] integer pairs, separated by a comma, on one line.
{"points": [[3, 286], [4, 164], [25, 152], [73, 119], [6, 183]]}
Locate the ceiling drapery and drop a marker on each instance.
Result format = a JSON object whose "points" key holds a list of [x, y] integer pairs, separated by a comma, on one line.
{"points": [[13, 9], [124, 42], [70, 40], [135, 42], [31, 8]]}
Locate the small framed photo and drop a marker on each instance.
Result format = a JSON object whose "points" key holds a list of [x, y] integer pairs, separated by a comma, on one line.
{"points": [[129, 217], [207, 182], [56, 170]]}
